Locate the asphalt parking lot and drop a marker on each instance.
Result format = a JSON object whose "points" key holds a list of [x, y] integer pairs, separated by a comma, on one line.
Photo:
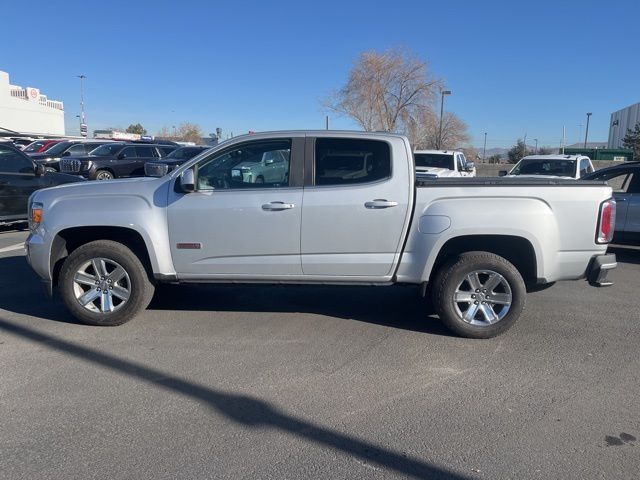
{"points": [[318, 382]]}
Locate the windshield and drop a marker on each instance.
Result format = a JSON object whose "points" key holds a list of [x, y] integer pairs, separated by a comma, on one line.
{"points": [[184, 153], [58, 148], [106, 150], [35, 146], [556, 168], [438, 160]]}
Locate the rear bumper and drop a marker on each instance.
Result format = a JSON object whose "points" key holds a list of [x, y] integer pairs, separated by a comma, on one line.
{"points": [[599, 268]]}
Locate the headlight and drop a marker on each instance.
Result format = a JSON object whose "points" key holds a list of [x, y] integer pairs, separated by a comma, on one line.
{"points": [[35, 215]]}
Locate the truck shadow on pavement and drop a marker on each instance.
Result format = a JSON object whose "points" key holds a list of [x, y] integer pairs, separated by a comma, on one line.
{"points": [[242, 409], [395, 307]]}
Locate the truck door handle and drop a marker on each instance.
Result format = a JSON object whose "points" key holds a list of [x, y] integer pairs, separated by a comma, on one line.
{"points": [[380, 203], [276, 206]]}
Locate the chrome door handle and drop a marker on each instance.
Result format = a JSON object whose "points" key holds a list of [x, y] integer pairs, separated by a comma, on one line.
{"points": [[380, 203], [277, 206]]}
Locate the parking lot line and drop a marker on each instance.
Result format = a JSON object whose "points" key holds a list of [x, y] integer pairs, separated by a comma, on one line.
{"points": [[11, 248]]}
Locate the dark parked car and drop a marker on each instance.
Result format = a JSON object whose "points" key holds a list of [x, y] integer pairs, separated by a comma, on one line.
{"points": [[20, 177], [50, 158], [40, 146], [115, 160], [625, 181], [180, 155]]}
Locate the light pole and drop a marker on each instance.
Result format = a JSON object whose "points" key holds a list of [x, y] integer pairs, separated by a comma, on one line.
{"points": [[536, 150], [484, 148], [83, 131], [586, 132], [442, 94]]}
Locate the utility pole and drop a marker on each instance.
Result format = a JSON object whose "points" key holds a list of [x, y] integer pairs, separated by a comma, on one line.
{"points": [[524, 150], [564, 133], [442, 94], [586, 133], [536, 150], [484, 148], [326, 122], [83, 121]]}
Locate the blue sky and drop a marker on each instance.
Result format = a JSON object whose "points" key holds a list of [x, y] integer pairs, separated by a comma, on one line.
{"points": [[513, 67]]}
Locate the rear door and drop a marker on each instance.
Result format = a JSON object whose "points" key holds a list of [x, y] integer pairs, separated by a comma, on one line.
{"points": [[356, 206]]}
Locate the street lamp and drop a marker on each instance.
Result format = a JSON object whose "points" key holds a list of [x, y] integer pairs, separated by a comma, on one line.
{"points": [[536, 150], [484, 148], [83, 127], [442, 93], [586, 133]]}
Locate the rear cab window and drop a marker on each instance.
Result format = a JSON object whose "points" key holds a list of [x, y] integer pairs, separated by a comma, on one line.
{"points": [[344, 161]]}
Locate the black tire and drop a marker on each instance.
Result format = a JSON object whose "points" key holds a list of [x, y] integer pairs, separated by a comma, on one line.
{"points": [[454, 274], [139, 285], [260, 179], [104, 175]]}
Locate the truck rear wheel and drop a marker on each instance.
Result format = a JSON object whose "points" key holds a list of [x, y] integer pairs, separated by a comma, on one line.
{"points": [[104, 283], [478, 294]]}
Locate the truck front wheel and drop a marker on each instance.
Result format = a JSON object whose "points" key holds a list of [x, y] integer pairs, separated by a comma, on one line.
{"points": [[104, 283], [478, 294]]}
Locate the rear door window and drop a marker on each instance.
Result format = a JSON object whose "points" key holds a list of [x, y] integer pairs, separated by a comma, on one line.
{"points": [[146, 151], [342, 161]]}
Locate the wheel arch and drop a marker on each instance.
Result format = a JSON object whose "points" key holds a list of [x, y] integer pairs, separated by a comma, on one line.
{"points": [[517, 250], [67, 240]]}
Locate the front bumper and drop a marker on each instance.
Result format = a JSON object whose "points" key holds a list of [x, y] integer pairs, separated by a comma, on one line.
{"points": [[599, 268]]}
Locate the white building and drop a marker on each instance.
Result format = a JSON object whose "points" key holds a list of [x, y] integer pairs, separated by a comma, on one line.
{"points": [[621, 121], [26, 110]]}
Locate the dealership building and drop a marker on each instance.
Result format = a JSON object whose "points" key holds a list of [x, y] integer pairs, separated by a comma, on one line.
{"points": [[27, 110], [621, 121]]}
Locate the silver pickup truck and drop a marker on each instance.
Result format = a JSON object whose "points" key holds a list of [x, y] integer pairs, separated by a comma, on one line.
{"points": [[345, 208]]}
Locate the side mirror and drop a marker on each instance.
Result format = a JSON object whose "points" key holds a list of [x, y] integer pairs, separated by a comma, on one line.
{"points": [[122, 156], [268, 161], [470, 166], [39, 170], [502, 173], [188, 181], [66, 154]]}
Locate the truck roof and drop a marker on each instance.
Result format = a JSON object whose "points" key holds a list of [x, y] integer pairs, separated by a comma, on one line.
{"points": [[440, 152], [555, 156]]}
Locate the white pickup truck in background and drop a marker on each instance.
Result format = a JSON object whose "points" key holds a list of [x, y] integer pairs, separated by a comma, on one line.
{"points": [[559, 166], [431, 164]]}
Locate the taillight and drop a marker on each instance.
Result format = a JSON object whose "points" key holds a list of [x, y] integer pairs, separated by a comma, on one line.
{"points": [[607, 221]]}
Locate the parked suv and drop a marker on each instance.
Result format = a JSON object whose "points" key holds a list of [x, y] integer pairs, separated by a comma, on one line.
{"points": [[20, 177], [173, 160], [50, 158], [115, 160]]}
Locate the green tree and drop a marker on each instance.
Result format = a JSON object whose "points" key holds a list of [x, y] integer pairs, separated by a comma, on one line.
{"points": [[632, 140], [137, 128], [494, 158], [518, 151]]}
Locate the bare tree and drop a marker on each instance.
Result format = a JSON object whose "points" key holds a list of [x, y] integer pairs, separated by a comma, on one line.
{"points": [[424, 133], [386, 91], [186, 132]]}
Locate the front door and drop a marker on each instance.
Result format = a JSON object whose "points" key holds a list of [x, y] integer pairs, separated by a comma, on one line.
{"points": [[632, 224], [355, 209], [244, 217]]}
